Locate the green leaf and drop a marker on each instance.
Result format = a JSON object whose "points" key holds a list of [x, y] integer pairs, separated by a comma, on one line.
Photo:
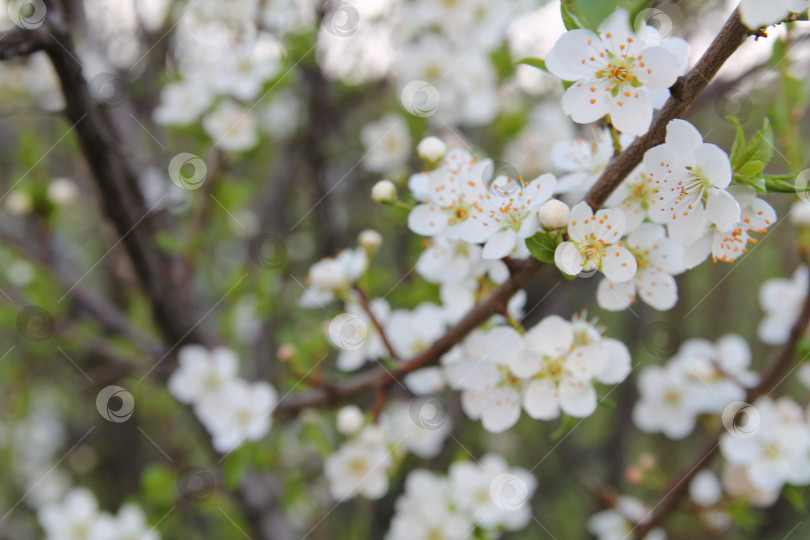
{"points": [[539, 63], [751, 169], [795, 496], [159, 485], [543, 245], [774, 184], [567, 10], [738, 147], [760, 147], [568, 423]]}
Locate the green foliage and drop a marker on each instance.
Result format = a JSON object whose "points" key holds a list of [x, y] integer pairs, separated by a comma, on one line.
{"points": [[159, 485], [748, 160], [543, 245], [591, 13], [568, 11], [534, 62]]}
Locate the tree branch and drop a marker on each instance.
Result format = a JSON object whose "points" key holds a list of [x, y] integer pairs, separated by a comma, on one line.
{"points": [[683, 93], [779, 369], [22, 42]]}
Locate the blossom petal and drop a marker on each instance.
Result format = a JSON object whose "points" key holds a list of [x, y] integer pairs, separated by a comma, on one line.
{"points": [[570, 58], [722, 209], [541, 400], [658, 68], [427, 220], [500, 244], [615, 296], [577, 398], [552, 336], [631, 111], [618, 264], [587, 101]]}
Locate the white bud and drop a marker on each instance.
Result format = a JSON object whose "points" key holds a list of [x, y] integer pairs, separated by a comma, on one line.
{"points": [[705, 489], [554, 214], [370, 240], [384, 192], [800, 214], [350, 420], [62, 191], [431, 149], [372, 435], [19, 203]]}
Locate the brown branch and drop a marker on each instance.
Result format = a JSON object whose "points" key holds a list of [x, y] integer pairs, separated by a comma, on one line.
{"points": [[366, 305], [683, 93], [780, 368], [22, 42], [119, 186]]}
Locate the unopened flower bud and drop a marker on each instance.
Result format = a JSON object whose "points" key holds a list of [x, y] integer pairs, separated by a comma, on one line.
{"points": [[62, 191], [384, 192], [431, 149], [800, 214], [554, 214], [370, 240], [286, 352], [349, 420]]}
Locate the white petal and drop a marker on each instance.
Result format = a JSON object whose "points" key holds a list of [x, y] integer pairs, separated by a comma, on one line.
{"points": [[577, 398], [658, 289], [586, 101], [570, 57], [541, 400], [552, 336], [686, 229], [618, 264], [715, 165], [722, 209], [615, 296], [502, 411], [631, 111], [568, 258], [697, 252], [427, 220], [578, 229], [660, 70], [500, 244], [618, 366], [683, 138]]}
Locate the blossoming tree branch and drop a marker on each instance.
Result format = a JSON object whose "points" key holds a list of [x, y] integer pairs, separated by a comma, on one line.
{"points": [[445, 376]]}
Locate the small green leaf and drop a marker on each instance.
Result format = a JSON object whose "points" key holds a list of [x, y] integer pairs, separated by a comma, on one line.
{"points": [[751, 169], [543, 245], [738, 147], [760, 147], [539, 63], [795, 496], [774, 184], [568, 423], [570, 20]]}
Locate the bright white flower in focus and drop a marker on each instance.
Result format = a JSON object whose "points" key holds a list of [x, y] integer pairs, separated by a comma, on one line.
{"points": [[452, 194], [632, 197], [359, 467], [689, 179], [202, 372], [758, 13], [594, 243], [239, 412], [658, 258], [231, 127], [508, 212], [781, 300], [334, 276], [618, 523], [614, 71], [387, 143]]}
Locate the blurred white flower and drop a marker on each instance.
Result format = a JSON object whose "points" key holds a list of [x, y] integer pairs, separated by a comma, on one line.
{"points": [[781, 300], [359, 467], [202, 372], [231, 127], [387, 143]]}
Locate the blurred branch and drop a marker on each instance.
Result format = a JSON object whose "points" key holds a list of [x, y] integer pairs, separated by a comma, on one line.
{"points": [[22, 42], [685, 90], [780, 368]]}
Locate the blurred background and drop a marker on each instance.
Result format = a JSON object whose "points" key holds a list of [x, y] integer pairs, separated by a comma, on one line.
{"points": [[292, 110]]}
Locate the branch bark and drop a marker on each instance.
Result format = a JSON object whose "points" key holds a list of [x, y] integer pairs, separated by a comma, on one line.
{"points": [[22, 42], [684, 92], [780, 368]]}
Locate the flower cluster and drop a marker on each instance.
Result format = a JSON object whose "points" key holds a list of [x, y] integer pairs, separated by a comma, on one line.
{"points": [[232, 409], [702, 378], [550, 369], [619, 522], [616, 73], [474, 499], [361, 465], [682, 185], [77, 516], [781, 300], [770, 445]]}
